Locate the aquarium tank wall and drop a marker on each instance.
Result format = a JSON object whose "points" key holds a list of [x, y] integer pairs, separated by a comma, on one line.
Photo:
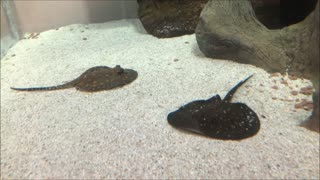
{"points": [[20, 17]]}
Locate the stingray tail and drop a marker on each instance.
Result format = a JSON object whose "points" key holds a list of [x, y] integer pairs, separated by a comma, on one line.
{"points": [[230, 94], [50, 88]]}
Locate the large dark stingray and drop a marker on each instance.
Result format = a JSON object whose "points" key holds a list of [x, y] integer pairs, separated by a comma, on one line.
{"points": [[217, 118]]}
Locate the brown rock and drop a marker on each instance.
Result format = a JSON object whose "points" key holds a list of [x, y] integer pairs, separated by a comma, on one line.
{"points": [[230, 30], [170, 18]]}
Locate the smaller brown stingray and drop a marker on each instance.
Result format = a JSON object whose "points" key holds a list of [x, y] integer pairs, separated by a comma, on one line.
{"points": [[97, 78]]}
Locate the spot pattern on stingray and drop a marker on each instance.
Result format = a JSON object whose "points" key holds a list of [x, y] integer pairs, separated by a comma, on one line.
{"points": [[95, 79], [217, 118]]}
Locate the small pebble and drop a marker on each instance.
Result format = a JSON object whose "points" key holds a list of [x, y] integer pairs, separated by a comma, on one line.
{"points": [[284, 74], [288, 100], [306, 90], [284, 82], [309, 106], [34, 36], [275, 87], [275, 74], [293, 77], [304, 104], [294, 93], [298, 106]]}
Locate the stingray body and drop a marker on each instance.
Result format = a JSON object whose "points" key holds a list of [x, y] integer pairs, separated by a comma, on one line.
{"points": [[94, 79], [217, 118]]}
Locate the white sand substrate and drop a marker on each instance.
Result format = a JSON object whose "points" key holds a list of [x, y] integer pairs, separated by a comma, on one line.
{"points": [[123, 133]]}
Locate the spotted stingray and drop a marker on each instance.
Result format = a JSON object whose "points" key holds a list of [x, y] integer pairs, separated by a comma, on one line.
{"points": [[217, 118], [94, 79]]}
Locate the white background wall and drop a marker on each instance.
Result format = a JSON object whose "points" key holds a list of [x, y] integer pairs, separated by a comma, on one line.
{"points": [[41, 15], [4, 23]]}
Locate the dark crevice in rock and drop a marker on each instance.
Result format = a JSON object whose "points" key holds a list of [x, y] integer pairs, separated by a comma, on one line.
{"points": [[276, 14]]}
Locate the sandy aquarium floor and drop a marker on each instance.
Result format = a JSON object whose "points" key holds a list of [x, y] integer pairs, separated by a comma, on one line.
{"points": [[123, 133]]}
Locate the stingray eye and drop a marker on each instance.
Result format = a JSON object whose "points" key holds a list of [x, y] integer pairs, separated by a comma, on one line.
{"points": [[119, 69]]}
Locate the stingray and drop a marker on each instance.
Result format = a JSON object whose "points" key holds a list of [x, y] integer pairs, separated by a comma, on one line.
{"points": [[94, 79], [216, 118]]}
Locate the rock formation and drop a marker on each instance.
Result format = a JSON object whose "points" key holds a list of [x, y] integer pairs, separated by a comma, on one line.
{"points": [[170, 18], [231, 30]]}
